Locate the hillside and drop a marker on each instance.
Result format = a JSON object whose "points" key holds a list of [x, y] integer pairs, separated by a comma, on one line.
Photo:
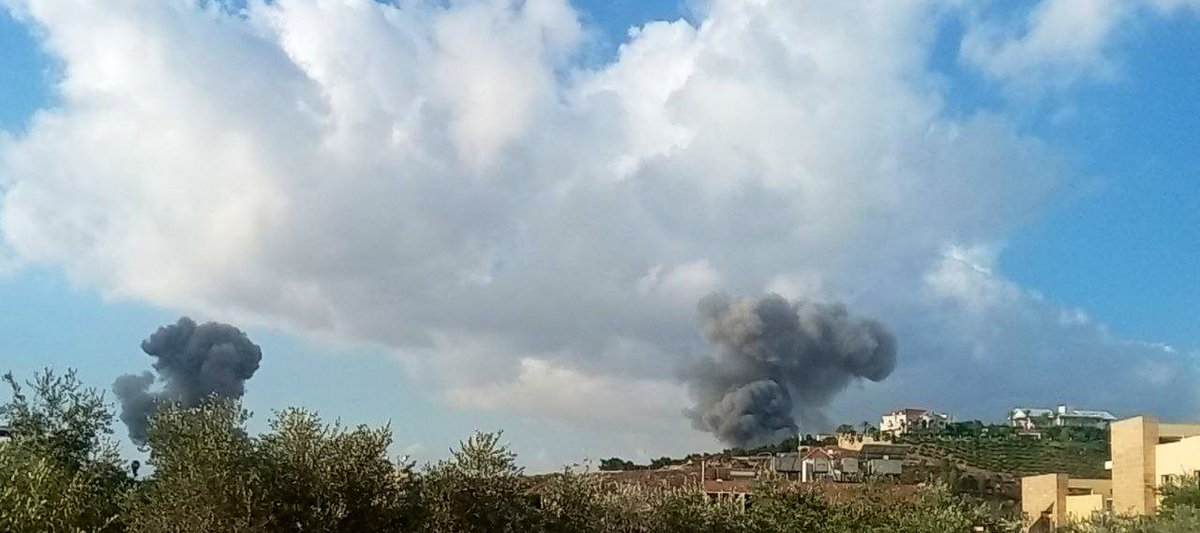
{"points": [[1016, 456]]}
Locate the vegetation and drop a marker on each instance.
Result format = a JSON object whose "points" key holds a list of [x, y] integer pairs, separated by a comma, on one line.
{"points": [[1013, 454], [61, 474]]}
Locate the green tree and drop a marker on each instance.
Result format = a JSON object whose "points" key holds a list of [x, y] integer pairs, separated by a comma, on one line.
{"points": [[207, 473], [1182, 492], [479, 489], [614, 464], [330, 479], [59, 472]]}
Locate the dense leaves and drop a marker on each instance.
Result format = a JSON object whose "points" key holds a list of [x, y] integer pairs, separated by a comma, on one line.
{"points": [[60, 473]]}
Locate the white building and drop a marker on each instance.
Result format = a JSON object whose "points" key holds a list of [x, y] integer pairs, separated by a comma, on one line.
{"points": [[1031, 419], [905, 420]]}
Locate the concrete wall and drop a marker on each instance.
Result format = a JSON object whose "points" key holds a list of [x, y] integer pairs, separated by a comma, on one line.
{"points": [[1177, 459], [855, 443], [1133, 445], [1082, 507], [1103, 487], [1178, 431], [1044, 494]]}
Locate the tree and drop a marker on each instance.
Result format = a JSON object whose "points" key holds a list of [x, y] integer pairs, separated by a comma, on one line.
{"points": [[1181, 492], [479, 489], [329, 479], [616, 464], [845, 429], [207, 473], [663, 462], [59, 471], [866, 428]]}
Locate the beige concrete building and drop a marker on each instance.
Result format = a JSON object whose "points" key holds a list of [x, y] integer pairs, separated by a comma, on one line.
{"points": [[1054, 499], [900, 422], [1145, 455]]}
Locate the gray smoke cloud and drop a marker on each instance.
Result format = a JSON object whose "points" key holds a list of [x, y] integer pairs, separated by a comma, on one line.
{"points": [[193, 363], [776, 362]]}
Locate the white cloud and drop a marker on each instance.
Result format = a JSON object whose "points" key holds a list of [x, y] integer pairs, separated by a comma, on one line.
{"points": [[449, 181], [1058, 42], [545, 389]]}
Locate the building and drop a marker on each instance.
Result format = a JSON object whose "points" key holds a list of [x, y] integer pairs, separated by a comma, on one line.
{"points": [[1145, 456], [1031, 419], [787, 465], [1054, 499], [882, 460], [5, 433], [828, 463], [903, 421]]}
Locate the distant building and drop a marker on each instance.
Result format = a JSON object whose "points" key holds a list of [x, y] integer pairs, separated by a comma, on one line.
{"points": [[5, 433], [1030, 419], [882, 460], [828, 462], [898, 423], [787, 465]]}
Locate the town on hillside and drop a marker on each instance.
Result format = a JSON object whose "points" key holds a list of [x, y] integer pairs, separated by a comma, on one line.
{"points": [[1057, 464]]}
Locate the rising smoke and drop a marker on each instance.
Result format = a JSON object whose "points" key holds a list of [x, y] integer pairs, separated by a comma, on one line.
{"points": [[194, 363], [776, 362]]}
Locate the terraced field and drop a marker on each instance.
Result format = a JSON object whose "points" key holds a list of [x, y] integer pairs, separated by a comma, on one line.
{"points": [[1018, 457]]}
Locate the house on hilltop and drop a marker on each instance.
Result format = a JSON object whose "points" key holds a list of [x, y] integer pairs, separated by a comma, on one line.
{"points": [[1063, 416], [898, 423]]}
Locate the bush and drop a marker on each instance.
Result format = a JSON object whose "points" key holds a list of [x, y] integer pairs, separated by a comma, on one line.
{"points": [[60, 471], [61, 474]]}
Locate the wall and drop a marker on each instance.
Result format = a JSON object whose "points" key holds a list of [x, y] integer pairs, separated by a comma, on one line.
{"points": [[1133, 457], [856, 442], [1177, 458], [1096, 486], [1082, 507], [1041, 494]]}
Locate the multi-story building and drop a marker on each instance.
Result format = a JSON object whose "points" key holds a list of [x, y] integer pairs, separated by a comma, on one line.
{"points": [[1145, 456], [905, 420], [1063, 416]]}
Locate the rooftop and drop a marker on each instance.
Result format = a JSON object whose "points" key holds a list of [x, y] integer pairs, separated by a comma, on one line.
{"points": [[1062, 411]]}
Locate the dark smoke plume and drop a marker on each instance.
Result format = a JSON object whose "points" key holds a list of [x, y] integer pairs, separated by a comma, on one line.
{"points": [[193, 364], [777, 361]]}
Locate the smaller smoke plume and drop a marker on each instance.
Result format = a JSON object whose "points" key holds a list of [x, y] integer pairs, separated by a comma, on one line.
{"points": [[776, 361], [193, 363]]}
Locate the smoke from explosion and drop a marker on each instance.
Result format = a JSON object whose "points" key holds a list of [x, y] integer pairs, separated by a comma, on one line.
{"points": [[776, 361], [194, 363]]}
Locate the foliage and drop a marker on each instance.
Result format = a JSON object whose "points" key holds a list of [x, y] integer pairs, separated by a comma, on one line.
{"points": [[206, 473], [1181, 492], [616, 464], [1182, 519], [330, 479], [60, 474], [479, 489], [1012, 454], [303, 475], [60, 471]]}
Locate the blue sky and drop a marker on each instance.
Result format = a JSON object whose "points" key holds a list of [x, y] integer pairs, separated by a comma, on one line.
{"points": [[1118, 240]]}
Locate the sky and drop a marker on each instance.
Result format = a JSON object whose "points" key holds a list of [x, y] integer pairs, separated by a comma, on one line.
{"points": [[490, 214]]}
